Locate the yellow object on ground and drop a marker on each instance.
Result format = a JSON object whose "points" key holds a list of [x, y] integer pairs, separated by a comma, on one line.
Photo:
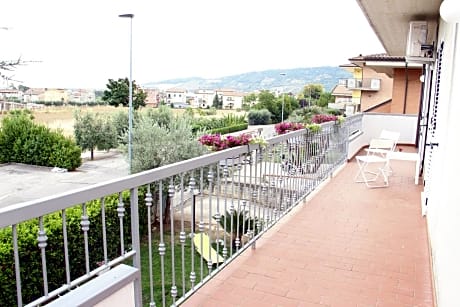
{"points": [[203, 246]]}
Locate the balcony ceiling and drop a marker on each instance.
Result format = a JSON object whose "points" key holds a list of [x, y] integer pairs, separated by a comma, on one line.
{"points": [[390, 20]]}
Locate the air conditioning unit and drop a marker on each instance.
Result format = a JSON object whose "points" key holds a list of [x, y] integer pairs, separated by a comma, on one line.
{"points": [[418, 31]]}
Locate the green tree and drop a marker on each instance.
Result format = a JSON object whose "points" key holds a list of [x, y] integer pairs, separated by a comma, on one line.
{"points": [[23, 88], [217, 102], [156, 144], [267, 100], [93, 131], [311, 93], [324, 99], [117, 93], [249, 100]]}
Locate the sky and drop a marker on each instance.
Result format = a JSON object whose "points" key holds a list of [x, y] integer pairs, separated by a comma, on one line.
{"points": [[81, 44]]}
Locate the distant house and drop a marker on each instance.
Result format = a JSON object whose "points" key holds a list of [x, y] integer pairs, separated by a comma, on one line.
{"points": [[82, 95], [204, 98], [343, 99], [55, 94], [175, 96], [153, 97], [33, 95], [385, 84], [231, 99], [10, 95]]}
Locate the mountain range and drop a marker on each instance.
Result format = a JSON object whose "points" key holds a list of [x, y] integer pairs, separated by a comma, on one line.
{"points": [[286, 80]]}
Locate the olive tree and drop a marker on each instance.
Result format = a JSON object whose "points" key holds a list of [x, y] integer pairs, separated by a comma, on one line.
{"points": [[93, 131]]}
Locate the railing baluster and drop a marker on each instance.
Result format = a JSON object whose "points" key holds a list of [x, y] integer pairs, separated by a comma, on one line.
{"points": [[238, 211], [232, 206], [210, 180], [135, 242], [201, 224], [217, 215], [171, 192], [182, 235], [85, 228], [161, 245], [66, 247], [148, 203], [42, 242], [225, 230], [192, 277], [121, 214], [17, 268], [104, 231]]}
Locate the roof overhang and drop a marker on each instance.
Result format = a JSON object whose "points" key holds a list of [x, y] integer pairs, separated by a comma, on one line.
{"points": [[390, 20]]}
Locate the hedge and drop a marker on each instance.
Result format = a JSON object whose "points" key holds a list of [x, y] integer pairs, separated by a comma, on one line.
{"points": [[23, 141], [230, 129]]}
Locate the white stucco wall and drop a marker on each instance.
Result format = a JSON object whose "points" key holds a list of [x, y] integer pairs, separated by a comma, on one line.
{"points": [[374, 123], [406, 125], [443, 212]]}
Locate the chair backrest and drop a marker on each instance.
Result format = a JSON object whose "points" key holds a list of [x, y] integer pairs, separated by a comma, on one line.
{"points": [[390, 135], [381, 147], [383, 144]]}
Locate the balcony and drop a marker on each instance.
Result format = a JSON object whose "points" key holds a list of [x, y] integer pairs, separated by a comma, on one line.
{"points": [[297, 231], [364, 84]]}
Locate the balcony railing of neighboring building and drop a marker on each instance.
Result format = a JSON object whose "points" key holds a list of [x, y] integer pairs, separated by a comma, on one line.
{"points": [[184, 222], [365, 84]]}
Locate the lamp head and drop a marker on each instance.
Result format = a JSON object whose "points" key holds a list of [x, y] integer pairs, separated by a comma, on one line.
{"points": [[126, 15]]}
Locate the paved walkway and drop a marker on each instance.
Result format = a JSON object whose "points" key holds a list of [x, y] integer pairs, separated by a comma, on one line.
{"points": [[346, 246], [20, 182]]}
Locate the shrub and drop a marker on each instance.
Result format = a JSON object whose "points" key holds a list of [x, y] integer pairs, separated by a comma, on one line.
{"points": [[227, 124], [282, 128], [23, 141], [259, 117], [217, 142], [322, 118]]}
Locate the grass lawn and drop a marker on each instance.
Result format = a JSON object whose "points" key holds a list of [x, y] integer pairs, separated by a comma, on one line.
{"points": [[181, 272], [63, 117]]}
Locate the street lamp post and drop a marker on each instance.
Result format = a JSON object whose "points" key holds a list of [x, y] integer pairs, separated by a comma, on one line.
{"points": [[130, 105], [282, 104]]}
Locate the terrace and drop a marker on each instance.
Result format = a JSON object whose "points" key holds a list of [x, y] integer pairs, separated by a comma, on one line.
{"points": [[287, 221]]}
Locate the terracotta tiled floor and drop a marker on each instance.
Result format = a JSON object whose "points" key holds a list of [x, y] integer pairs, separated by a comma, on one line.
{"points": [[346, 246]]}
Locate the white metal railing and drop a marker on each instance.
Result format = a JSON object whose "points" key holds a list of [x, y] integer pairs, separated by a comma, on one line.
{"points": [[184, 222]]}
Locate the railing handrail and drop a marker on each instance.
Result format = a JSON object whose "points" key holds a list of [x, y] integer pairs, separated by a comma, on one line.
{"points": [[24, 211]]}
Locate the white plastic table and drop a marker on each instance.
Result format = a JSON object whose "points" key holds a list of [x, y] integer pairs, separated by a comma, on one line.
{"points": [[407, 156]]}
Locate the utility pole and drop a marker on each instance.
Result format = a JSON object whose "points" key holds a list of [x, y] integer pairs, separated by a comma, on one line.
{"points": [[282, 104]]}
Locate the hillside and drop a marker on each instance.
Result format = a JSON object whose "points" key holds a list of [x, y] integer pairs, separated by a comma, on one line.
{"points": [[293, 81]]}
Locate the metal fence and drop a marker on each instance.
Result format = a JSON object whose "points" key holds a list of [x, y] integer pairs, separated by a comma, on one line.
{"points": [[180, 224]]}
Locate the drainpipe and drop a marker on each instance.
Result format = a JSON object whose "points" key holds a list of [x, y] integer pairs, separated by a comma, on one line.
{"points": [[420, 105], [405, 90]]}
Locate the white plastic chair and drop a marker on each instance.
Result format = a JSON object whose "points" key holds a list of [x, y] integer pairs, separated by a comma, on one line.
{"points": [[375, 164], [385, 135], [385, 150]]}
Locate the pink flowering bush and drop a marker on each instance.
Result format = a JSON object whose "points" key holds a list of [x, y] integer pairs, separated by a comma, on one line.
{"points": [[218, 142], [322, 118], [285, 127]]}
